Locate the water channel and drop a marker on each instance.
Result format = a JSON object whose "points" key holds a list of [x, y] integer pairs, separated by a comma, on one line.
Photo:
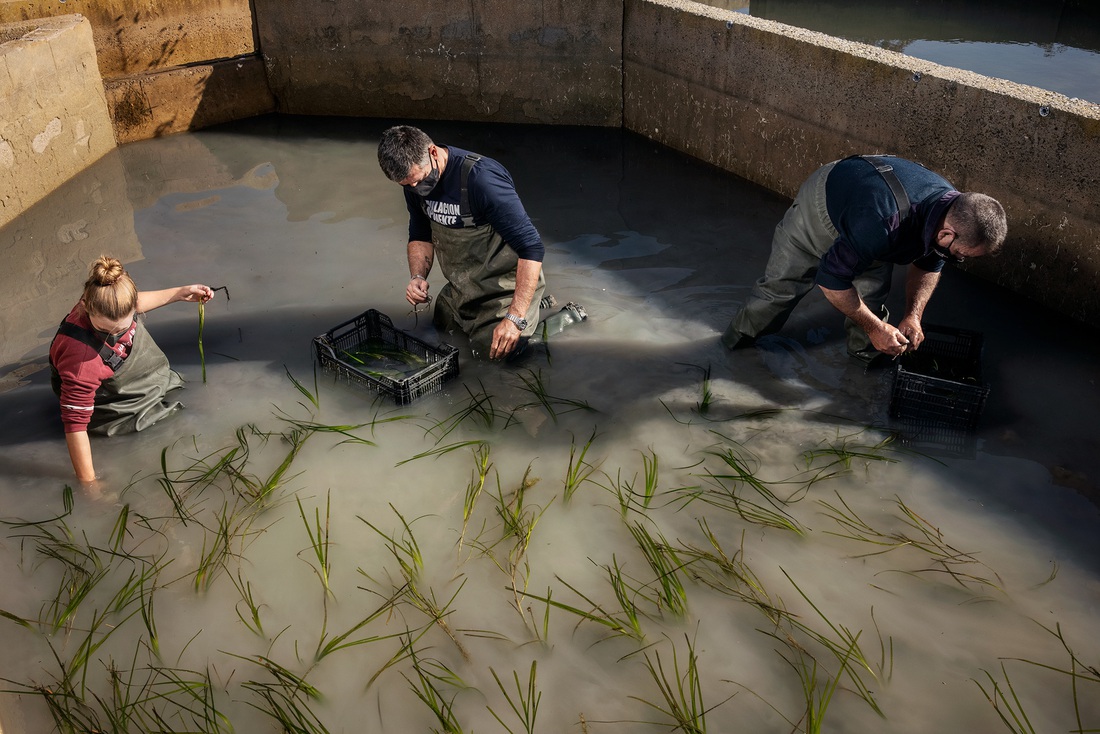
{"points": [[632, 514], [1054, 45]]}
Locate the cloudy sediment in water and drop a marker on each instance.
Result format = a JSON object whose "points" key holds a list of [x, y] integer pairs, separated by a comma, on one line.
{"points": [[631, 531]]}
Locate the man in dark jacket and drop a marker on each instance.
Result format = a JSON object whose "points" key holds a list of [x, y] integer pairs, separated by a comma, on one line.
{"points": [[465, 212], [850, 223]]}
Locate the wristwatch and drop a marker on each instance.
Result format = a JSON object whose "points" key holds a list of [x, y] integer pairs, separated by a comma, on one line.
{"points": [[521, 323]]}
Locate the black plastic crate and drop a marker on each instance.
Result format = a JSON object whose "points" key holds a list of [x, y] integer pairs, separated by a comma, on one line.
{"points": [[369, 352], [938, 389], [936, 438]]}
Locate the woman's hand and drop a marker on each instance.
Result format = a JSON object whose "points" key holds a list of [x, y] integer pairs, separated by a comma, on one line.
{"points": [[196, 293]]}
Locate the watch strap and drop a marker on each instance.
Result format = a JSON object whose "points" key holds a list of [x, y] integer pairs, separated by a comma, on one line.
{"points": [[521, 323]]}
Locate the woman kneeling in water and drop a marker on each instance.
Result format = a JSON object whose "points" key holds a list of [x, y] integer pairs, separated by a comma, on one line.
{"points": [[110, 374]]}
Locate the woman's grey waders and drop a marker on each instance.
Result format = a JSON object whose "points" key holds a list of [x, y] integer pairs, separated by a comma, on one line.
{"points": [[134, 397]]}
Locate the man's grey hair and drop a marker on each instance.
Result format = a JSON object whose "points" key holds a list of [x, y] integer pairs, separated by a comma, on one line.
{"points": [[401, 148], [979, 221]]}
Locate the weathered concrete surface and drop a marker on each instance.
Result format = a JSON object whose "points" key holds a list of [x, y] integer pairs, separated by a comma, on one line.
{"points": [[169, 65], [134, 36], [544, 61], [766, 101], [188, 98], [47, 251], [770, 102], [54, 120]]}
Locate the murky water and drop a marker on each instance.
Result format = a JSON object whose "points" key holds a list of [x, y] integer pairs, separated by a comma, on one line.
{"points": [[1053, 45], [635, 514]]}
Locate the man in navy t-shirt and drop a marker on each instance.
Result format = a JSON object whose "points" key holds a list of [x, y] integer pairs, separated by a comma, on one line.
{"points": [[850, 223], [464, 212]]}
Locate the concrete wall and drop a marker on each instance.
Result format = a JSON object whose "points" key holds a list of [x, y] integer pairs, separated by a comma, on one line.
{"points": [[763, 100], [771, 102], [186, 98], [48, 249], [54, 120], [537, 61], [53, 244], [169, 65], [137, 36]]}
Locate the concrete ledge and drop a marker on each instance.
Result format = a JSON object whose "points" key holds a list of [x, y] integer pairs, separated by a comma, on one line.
{"points": [[771, 102], [188, 98], [55, 120]]}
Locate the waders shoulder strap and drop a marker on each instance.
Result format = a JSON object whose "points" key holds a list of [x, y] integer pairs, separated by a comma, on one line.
{"points": [[464, 202], [110, 357], [887, 172]]}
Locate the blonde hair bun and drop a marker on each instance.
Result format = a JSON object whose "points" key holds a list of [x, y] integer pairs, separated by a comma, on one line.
{"points": [[109, 290], [105, 271]]}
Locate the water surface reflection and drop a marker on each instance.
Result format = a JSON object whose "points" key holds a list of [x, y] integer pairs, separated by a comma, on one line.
{"points": [[1053, 45]]}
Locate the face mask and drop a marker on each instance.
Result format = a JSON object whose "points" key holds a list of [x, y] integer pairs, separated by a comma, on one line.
{"points": [[946, 254], [427, 184], [109, 338]]}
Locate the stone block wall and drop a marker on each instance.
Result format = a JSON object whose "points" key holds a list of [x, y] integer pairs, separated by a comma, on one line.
{"points": [[54, 120]]}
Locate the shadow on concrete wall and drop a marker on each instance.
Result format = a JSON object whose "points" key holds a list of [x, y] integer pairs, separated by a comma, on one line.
{"points": [[49, 248], [184, 98]]}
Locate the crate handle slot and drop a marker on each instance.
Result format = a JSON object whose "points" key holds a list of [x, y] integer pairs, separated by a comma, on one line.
{"points": [[940, 392]]}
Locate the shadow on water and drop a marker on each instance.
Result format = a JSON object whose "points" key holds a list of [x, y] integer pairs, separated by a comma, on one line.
{"points": [[293, 216], [660, 248]]}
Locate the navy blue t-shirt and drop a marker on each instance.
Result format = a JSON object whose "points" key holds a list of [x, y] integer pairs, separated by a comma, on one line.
{"points": [[865, 214], [493, 200]]}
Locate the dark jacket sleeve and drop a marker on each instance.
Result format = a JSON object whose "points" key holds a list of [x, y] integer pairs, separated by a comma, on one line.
{"points": [[494, 197]]}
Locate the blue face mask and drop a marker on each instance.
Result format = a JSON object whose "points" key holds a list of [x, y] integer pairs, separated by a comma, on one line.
{"points": [[424, 186]]}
